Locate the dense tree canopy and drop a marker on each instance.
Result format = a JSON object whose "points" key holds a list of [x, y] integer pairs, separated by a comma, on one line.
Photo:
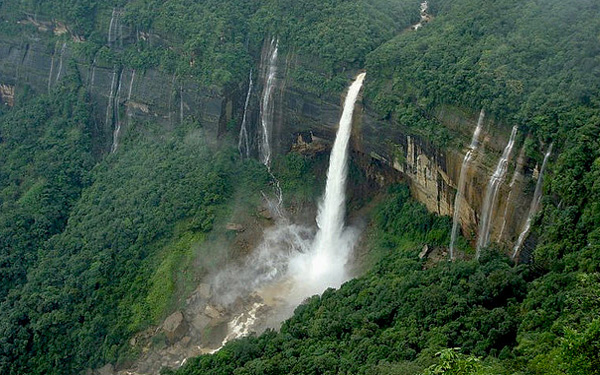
{"points": [[92, 245]]}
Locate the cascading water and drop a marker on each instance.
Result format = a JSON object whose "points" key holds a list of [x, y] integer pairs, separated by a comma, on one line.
{"points": [[508, 202], [244, 142], [115, 115], [266, 105], [491, 194], [111, 27], [51, 68], [60, 62], [111, 94], [181, 104], [462, 181], [292, 263], [533, 207], [324, 266]]}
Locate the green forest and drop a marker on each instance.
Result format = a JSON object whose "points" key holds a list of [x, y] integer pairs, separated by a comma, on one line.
{"points": [[96, 247]]}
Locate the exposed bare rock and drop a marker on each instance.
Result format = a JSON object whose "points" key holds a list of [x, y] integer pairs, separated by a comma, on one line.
{"points": [[107, 369], [235, 227], [174, 327], [212, 312], [307, 143], [265, 213], [203, 290], [424, 252], [7, 94]]}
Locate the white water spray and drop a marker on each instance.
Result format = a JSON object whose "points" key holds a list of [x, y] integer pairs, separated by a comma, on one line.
{"points": [[293, 263], [325, 265], [491, 194], [244, 142], [462, 181], [533, 207], [266, 105]]}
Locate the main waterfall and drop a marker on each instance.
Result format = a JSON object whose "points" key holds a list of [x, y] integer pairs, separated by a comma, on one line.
{"points": [[491, 194], [325, 265], [462, 181], [291, 263]]}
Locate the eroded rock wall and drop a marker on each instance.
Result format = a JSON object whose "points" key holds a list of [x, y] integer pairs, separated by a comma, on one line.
{"points": [[118, 94], [431, 172]]}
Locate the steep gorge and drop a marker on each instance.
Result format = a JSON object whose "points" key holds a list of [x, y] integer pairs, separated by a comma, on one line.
{"points": [[282, 109], [297, 116]]}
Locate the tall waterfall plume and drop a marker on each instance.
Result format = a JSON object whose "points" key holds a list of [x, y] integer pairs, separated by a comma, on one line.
{"points": [[491, 194], [266, 106], [462, 181], [533, 207], [324, 265], [244, 141], [293, 262]]}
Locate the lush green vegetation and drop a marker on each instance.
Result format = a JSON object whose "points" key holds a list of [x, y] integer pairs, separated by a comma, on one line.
{"points": [[530, 63], [218, 41], [398, 317], [93, 249], [91, 254], [45, 158]]}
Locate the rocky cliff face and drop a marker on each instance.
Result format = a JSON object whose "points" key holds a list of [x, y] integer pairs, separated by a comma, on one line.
{"points": [[392, 152], [122, 96]]}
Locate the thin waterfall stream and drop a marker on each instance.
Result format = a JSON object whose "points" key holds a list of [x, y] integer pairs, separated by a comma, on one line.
{"points": [[462, 181], [491, 194], [535, 202], [244, 142]]}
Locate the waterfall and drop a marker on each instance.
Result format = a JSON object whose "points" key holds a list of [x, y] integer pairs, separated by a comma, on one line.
{"points": [[266, 105], [292, 263], [491, 194], [115, 116], [181, 104], [324, 265], [131, 85], [533, 207], [60, 62], [110, 98], [111, 26], [51, 68], [243, 142], [513, 181], [462, 181]]}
